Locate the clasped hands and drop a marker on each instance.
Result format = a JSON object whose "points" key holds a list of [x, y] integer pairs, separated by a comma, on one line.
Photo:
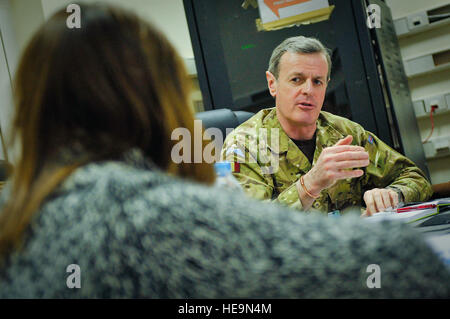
{"points": [[339, 162]]}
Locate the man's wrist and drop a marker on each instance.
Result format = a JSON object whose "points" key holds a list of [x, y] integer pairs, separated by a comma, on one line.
{"points": [[310, 186], [401, 198]]}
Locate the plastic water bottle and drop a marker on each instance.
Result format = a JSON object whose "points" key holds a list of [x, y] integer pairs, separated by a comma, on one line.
{"points": [[224, 176]]}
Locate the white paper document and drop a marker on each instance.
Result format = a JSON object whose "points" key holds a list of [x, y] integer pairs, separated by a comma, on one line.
{"points": [[273, 10], [405, 217]]}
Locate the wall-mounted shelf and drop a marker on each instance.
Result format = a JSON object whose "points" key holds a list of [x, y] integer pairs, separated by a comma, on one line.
{"points": [[422, 107], [428, 63], [437, 147], [422, 21], [190, 66]]}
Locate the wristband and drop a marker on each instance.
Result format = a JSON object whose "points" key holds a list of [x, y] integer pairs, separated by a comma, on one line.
{"points": [[306, 191]]}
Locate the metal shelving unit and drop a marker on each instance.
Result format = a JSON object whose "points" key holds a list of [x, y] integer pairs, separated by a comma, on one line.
{"points": [[412, 24], [407, 27]]}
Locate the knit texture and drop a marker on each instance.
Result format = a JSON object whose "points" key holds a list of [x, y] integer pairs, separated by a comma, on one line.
{"points": [[136, 232]]}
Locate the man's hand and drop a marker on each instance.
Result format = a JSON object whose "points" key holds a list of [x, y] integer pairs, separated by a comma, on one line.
{"points": [[379, 199], [335, 163]]}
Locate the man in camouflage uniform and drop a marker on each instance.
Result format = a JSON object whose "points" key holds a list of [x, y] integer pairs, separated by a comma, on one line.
{"points": [[305, 158]]}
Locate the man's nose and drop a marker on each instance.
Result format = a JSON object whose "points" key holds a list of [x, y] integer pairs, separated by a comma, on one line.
{"points": [[307, 87]]}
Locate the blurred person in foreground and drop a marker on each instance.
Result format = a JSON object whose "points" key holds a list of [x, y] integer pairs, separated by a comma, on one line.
{"points": [[95, 190]]}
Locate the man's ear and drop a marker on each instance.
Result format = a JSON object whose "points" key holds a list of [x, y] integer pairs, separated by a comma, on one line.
{"points": [[271, 83]]}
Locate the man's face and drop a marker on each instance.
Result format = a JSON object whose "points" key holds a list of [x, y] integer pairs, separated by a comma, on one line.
{"points": [[300, 88]]}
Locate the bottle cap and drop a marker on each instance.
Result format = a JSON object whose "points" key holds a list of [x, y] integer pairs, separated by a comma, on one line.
{"points": [[334, 213], [222, 168]]}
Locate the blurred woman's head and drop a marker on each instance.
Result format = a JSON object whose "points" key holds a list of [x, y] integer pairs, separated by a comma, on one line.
{"points": [[113, 84], [93, 92]]}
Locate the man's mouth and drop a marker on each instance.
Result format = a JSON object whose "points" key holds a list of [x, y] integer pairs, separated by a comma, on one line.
{"points": [[305, 105]]}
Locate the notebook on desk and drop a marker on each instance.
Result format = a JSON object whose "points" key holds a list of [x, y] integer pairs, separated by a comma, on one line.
{"points": [[413, 213]]}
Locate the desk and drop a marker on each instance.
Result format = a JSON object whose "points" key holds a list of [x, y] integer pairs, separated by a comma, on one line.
{"points": [[436, 223], [435, 228], [441, 190]]}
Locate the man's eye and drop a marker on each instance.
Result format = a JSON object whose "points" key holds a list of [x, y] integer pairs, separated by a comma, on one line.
{"points": [[318, 82], [295, 80]]}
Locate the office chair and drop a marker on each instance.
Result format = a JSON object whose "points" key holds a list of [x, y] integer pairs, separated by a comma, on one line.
{"points": [[223, 119]]}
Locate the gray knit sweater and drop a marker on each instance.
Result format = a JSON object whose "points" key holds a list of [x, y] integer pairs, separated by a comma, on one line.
{"points": [[136, 232]]}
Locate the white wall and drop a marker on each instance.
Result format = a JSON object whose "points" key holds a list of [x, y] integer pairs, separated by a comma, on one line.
{"points": [[9, 35], [5, 98], [8, 63], [27, 17], [430, 84], [167, 15]]}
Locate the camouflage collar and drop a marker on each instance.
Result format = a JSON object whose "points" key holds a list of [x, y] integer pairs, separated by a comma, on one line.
{"points": [[327, 134], [270, 121]]}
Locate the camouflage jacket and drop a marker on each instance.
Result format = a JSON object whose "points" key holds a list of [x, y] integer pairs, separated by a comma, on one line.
{"points": [[267, 163]]}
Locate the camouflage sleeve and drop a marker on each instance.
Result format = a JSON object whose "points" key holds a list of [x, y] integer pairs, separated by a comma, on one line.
{"points": [[253, 180], [289, 197], [390, 169]]}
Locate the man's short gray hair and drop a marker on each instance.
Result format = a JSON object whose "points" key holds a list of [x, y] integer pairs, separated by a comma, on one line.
{"points": [[298, 44]]}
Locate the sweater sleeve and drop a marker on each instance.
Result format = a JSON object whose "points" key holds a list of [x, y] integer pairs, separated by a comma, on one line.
{"points": [[240, 248]]}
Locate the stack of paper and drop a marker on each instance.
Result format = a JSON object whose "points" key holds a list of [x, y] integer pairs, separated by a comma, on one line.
{"points": [[405, 217], [411, 213]]}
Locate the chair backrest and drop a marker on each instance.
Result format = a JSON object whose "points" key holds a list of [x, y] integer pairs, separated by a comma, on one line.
{"points": [[223, 119], [243, 116]]}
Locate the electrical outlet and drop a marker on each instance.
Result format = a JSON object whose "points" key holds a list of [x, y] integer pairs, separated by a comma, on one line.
{"points": [[437, 100]]}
